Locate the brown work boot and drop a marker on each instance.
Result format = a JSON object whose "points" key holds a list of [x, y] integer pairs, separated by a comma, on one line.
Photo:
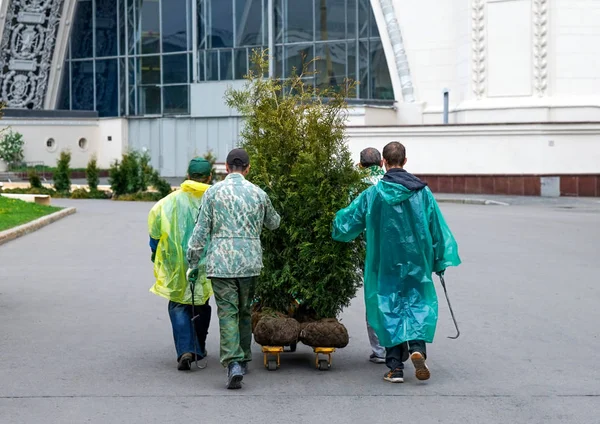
{"points": [[421, 371], [185, 362]]}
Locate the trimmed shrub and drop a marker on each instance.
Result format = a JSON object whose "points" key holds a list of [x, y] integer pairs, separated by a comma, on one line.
{"points": [[62, 175], [294, 135]]}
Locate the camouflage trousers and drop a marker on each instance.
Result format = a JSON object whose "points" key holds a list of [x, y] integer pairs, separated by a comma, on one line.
{"points": [[232, 296]]}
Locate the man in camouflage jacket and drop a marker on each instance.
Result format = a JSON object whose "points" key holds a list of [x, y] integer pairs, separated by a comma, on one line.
{"points": [[227, 234]]}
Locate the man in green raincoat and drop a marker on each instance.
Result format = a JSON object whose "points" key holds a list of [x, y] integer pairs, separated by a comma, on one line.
{"points": [[407, 241], [171, 223]]}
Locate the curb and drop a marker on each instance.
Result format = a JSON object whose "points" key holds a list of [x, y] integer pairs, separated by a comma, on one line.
{"points": [[473, 202], [30, 227]]}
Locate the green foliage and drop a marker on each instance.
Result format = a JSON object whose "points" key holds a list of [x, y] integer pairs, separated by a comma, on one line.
{"points": [[11, 148], [212, 159], [62, 176], [133, 174], [140, 197], [34, 180], [92, 174], [17, 212], [82, 193], [299, 157]]}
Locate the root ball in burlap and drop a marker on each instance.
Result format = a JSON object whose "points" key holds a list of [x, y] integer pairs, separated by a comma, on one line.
{"points": [[275, 331], [325, 333]]}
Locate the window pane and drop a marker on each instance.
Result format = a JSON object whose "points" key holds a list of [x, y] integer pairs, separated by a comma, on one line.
{"points": [[201, 63], [107, 86], [330, 20], [201, 23], [364, 10], [132, 25], [64, 97], [249, 22], [149, 100], [122, 21], [331, 66], [381, 84], [175, 69], [278, 21], [226, 71], [363, 69], [278, 62], [299, 21], [122, 87], [174, 22], [351, 19], [132, 84], [82, 38], [374, 31], [106, 28], [298, 57], [221, 30], [150, 70], [212, 65], [150, 26], [241, 65], [83, 85], [352, 64], [176, 100]]}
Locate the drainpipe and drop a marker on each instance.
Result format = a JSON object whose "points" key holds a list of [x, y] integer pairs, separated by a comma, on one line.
{"points": [[395, 34]]}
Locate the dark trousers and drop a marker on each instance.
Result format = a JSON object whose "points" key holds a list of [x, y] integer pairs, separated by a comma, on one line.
{"points": [[396, 356], [184, 331]]}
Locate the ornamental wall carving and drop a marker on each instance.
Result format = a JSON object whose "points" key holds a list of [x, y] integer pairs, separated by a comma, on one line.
{"points": [[26, 52]]}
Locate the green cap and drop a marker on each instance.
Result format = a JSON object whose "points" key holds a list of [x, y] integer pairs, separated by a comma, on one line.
{"points": [[199, 166]]}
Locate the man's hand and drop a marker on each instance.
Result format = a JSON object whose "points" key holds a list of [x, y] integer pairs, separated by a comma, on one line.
{"points": [[192, 275]]}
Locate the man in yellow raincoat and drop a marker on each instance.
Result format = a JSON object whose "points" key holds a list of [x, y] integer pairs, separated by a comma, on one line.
{"points": [[171, 224], [407, 240]]}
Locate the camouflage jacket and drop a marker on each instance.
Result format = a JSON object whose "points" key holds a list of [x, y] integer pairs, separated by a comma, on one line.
{"points": [[376, 173], [227, 233]]}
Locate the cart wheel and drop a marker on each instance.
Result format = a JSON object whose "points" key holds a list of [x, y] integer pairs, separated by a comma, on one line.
{"points": [[293, 347], [324, 365], [272, 365]]}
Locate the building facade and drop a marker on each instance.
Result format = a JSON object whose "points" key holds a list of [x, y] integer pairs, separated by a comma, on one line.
{"points": [[521, 77]]}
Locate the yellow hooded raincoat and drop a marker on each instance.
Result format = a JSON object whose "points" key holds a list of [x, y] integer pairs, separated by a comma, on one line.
{"points": [[171, 221]]}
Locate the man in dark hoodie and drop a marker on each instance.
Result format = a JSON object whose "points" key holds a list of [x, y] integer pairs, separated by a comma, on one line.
{"points": [[407, 241]]}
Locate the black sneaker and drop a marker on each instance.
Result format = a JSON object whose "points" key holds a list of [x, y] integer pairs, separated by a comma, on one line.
{"points": [[394, 376], [235, 376], [185, 362], [376, 359], [421, 371]]}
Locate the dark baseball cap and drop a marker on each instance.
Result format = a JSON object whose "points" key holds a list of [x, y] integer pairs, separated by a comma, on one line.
{"points": [[238, 157], [199, 166]]}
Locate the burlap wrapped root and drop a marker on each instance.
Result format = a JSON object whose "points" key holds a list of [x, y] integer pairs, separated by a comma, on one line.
{"points": [[325, 333], [276, 331]]}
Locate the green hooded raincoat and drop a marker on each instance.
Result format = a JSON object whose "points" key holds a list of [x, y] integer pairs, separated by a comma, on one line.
{"points": [[407, 240]]}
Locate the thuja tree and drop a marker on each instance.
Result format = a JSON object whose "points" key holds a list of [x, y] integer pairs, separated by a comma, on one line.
{"points": [[294, 135]]}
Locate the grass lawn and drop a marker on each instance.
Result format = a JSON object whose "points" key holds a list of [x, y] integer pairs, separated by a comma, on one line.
{"points": [[16, 212]]}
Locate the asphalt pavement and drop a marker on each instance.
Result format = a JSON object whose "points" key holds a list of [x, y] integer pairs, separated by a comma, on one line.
{"points": [[83, 341]]}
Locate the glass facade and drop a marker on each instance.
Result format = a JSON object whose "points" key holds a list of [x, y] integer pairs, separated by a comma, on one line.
{"points": [[136, 57]]}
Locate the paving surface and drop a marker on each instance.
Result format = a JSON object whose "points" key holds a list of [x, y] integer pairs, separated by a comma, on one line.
{"points": [[83, 341]]}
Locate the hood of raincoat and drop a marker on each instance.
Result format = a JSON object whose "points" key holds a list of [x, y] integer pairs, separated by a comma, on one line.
{"points": [[171, 221], [194, 188], [398, 185]]}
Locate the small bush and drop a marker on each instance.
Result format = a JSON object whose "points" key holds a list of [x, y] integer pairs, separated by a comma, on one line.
{"points": [[212, 159], [34, 180], [11, 148], [92, 174], [130, 178], [140, 197], [62, 176]]}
